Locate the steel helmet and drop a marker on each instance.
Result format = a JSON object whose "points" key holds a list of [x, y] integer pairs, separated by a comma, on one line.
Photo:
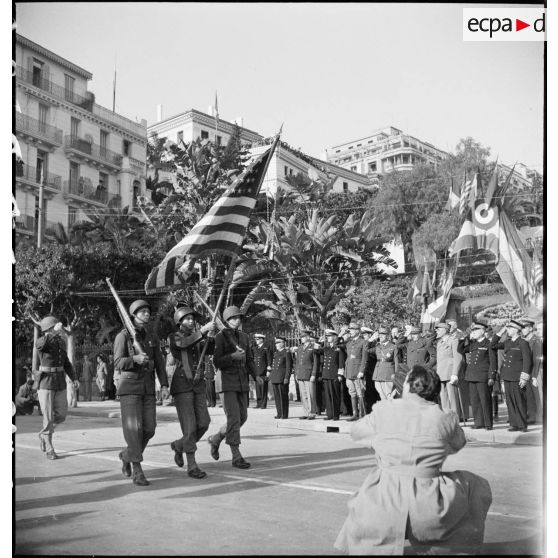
{"points": [[48, 322], [183, 311], [137, 305], [231, 312]]}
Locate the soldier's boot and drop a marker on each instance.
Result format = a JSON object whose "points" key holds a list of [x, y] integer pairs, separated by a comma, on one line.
{"points": [[138, 478], [193, 470], [362, 410], [214, 442], [237, 460], [354, 403]]}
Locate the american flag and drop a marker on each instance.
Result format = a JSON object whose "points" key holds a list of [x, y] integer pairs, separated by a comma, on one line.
{"points": [[535, 278], [220, 231], [468, 195]]}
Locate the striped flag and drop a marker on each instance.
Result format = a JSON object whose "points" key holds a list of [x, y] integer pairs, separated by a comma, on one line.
{"points": [[535, 279], [468, 195], [454, 198], [437, 308], [492, 185], [167, 276], [415, 288], [220, 231]]}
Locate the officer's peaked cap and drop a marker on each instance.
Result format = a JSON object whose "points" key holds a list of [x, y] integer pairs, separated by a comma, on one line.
{"points": [[138, 305], [365, 329], [330, 332], [260, 335], [479, 325], [280, 339], [528, 323], [48, 322], [515, 323], [231, 312], [442, 325]]}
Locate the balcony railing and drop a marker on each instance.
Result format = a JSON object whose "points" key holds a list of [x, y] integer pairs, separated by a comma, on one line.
{"points": [[55, 89], [25, 223], [83, 188], [120, 121], [32, 174], [26, 123], [96, 151]]}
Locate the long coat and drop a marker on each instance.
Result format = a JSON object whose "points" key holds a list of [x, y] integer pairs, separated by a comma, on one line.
{"points": [[410, 439]]}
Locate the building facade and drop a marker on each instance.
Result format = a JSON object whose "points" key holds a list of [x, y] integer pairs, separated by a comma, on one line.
{"points": [[386, 150], [87, 156]]}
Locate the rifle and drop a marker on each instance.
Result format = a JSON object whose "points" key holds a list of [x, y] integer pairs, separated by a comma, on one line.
{"points": [[126, 321]]}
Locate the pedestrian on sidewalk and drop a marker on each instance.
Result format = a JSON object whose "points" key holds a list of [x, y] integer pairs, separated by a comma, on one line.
{"points": [[188, 386], [54, 365], [102, 373], [406, 495], [234, 359], [137, 389]]}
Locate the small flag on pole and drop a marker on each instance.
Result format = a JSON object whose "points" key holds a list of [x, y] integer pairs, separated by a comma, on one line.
{"points": [[437, 308], [468, 195], [454, 197]]}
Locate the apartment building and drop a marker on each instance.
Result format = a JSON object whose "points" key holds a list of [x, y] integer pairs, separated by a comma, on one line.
{"points": [[87, 156], [386, 150]]}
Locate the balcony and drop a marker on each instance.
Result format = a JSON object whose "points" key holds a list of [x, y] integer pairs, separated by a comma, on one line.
{"points": [[37, 132], [120, 121], [29, 178], [83, 192], [25, 224], [54, 89], [91, 153]]}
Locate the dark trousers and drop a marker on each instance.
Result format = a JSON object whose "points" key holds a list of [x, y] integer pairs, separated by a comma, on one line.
{"points": [[371, 395], [193, 416], [210, 393], [481, 401], [281, 397], [516, 402], [235, 406], [346, 404], [261, 393], [318, 405], [332, 393], [139, 421], [531, 398]]}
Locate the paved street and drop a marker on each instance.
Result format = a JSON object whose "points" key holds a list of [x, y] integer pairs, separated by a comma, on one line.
{"points": [[292, 500]]}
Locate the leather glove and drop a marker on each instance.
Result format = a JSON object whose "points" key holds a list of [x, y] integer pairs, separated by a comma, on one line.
{"points": [[340, 377], [522, 384], [524, 377], [209, 328]]}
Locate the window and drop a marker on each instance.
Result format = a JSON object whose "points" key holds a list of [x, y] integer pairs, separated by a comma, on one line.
{"points": [[104, 142], [41, 167], [118, 188], [72, 216], [204, 135], [286, 170], [69, 83], [290, 172], [43, 116], [74, 175], [136, 193], [354, 168], [219, 140], [179, 137], [37, 72], [125, 148], [372, 167], [74, 127], [345, 187], [102, 189]]}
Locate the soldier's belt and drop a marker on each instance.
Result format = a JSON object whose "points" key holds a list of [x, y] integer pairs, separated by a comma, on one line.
{"points": [[51, 369]]}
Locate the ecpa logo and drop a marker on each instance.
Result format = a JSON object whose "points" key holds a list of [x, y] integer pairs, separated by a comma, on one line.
{"points": [[504, 24]]}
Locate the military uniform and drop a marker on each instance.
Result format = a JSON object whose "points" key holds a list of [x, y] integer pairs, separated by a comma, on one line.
{"points": [[384, 371], [262, 362], [448, 364], [355, 365], [54, 365], [421, 352], [333, 361], [305, 373], [482, 366], [281, 369], [517, 360], [534, 401], [371, 395]]}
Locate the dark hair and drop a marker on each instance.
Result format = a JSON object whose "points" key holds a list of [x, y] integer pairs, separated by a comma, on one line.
{"points": [[101, 356], [425, 383]]}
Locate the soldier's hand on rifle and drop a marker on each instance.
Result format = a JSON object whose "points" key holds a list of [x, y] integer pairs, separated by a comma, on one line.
{"points": [[165, 392], [238, 355], [209, 328], [141, 359]]}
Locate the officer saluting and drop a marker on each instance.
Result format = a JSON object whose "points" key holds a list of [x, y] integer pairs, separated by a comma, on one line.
{"points": [[480, 373], [137, 389], [54, 364]]}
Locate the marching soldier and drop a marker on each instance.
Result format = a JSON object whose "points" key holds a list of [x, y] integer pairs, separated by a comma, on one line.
{"points": [[371, 396], [305, 374], [262, 367], [233, 357], [188, 387], [448, 364], [480, 373], [516, 373], [137, 389], [534, 401], [386, 356], [355, 365], [54, 364], [333, 368], [280, 377]]}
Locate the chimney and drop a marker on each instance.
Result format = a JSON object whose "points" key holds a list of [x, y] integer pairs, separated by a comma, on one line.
{"points": [[159, 113]]}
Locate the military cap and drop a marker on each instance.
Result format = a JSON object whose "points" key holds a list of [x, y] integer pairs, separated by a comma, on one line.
{"points": [[48, 322], [260, 335], [354, 325], [329, 332], [383, 330], [415, 330], [528, 323], [313, 336], [479, 325], [442, 325], [365, 329], [279, 338], [231, 312], [138, 305], [515, 323], [184, 311]]}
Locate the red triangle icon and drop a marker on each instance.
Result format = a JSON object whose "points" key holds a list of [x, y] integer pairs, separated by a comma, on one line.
{"points": [[519, 25]]}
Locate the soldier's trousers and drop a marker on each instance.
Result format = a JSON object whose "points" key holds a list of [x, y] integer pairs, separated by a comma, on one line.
{"points": [[261, 393], [383, 388], [191, 408], [139, 421], [449, 397], [308, 396], [210, 393], [531, 396], [281, 397], [346, 403], [481, 401], [516, 402], [319, 404], [235, 406], [371, 396], [332, 393], [54, 405]]}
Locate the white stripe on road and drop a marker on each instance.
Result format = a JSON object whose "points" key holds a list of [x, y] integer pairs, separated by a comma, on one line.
{"points": [[236, 479]]}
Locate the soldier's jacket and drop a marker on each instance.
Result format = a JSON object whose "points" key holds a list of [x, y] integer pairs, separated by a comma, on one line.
{"points": [[421, 352], [281, 367], [52, 354], [333, 359], [371, 360], [306, 362], [386, 353], [448, 358], [262, 359], [401, 350], [186, 349], [483, 360], [535, 344], [136, 379], [357, 357], [516, 357], [232, 374]]}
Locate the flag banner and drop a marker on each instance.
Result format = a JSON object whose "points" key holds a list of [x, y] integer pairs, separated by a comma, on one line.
{"points": [[480, 230], [437, 308], [466, 192], [166, 275], [415, 288], [454, 196], [492, 185], [535, 279]]}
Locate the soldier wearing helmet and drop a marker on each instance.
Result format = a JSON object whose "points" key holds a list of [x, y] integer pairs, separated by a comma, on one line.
{"points": [[54, 364], [188, 386], [137, 389], [234, 358]]}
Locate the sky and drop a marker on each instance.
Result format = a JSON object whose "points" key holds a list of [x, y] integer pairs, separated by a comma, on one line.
{"points": [[331, 73]]}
